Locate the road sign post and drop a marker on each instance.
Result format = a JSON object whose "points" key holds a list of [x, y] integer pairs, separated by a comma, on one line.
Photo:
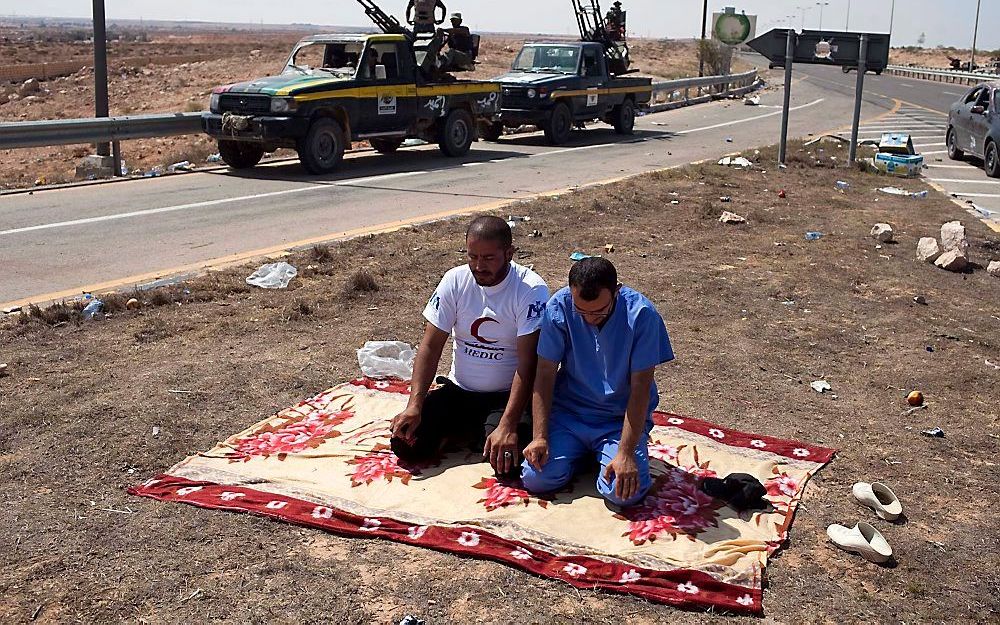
{"points": [[785, 109], [859, 90], [863, 51]]}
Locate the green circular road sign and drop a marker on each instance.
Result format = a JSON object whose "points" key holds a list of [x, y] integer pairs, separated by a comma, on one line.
{"points": [[732, 29]]}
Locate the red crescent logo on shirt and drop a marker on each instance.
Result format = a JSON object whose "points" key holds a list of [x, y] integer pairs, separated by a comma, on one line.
{"points": [[475, 329]]}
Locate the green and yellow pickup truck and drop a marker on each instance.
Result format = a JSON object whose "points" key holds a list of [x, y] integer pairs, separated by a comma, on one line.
{"points": [[335, 89]]}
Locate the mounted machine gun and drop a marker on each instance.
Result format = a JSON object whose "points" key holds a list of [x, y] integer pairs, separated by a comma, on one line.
{"points": [[609, 30]]}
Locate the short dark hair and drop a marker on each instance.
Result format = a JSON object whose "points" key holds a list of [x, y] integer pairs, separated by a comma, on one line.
{"points": [[591, 276], [490, 228]]}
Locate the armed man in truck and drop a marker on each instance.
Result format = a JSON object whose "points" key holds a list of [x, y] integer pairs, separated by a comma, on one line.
{"points": [[421, 15]]}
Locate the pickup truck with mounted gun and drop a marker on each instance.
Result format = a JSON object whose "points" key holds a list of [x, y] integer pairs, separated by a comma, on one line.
{"points": [[335, 89], [561, 84]]}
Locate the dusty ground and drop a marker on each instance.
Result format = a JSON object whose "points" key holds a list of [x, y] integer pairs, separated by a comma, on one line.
{"points": [[136, 90], [938, 57], [756, 312]]}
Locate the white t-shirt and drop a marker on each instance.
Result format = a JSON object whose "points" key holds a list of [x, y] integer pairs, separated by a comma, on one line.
{"points": [[485, 322]]}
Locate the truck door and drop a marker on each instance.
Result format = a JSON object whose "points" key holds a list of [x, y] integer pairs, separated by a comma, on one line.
{"points": [[963, 121], [979, 126], [592, 76], [387, 105]]}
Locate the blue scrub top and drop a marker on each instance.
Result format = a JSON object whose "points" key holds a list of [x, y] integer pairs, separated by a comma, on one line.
{"points": [[594, 380]]}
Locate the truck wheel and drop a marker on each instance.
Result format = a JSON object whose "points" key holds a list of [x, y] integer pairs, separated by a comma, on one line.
{"points": [[559, 125], [491, 131], [239, 154], [953, 152], [456, 133], [624, 117], [386, 146], [992, 160], [322, 149]]}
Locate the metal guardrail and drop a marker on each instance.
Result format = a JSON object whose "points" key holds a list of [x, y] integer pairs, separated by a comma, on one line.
{"points": [[98, 130], [671, 94], [941, 75], [666, 95]]}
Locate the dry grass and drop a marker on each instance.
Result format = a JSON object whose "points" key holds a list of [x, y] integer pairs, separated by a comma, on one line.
{"points": [[755, 312]]}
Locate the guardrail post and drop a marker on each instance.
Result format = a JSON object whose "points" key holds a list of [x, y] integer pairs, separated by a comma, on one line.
{"points": [[116, 154]]}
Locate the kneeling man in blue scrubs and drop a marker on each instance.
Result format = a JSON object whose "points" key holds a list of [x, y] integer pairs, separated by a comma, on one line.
{"points": [[594, 392]]}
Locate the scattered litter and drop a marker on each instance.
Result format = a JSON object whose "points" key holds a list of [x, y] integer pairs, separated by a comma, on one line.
{"points": [[386, 359], [739, 161], [782, 194], [273, 276], [821, 386], [732, 218], [132, 304], [930, 349], [752, 100], [154, 172], [674, 202], [93, 309], [843, 185], [910, 412], [915, 398], [920, 195], [934, 432], [988, 364], [214, 158], [726, 198], [518, 218], [181, 166], [659, 123], [409, 619], [3, 369], [578, 256], [729, 139], [814, 236], [882, 233], [609, 248], [192, 595], [535, 234], [920, 299], [156, 430]]}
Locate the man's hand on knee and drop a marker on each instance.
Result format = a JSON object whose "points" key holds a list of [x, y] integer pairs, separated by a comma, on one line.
{"points": [[404, 425], [501, 449], [624, 471], [537, 453]]}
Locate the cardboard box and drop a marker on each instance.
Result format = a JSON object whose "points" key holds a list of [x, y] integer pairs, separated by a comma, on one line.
{"points": [[896, 143], [902, 165]]}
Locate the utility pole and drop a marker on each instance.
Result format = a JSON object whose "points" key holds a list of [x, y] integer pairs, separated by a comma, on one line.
{"points": [[848, 27], [892, 17], [100, 70], [975, 36], [701, 47]]}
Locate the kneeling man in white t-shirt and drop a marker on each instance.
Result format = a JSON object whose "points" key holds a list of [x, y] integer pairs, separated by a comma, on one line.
{"points": [[492, 307]]}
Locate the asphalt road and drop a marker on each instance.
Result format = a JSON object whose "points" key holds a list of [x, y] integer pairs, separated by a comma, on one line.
{"points": [[59, 243]]}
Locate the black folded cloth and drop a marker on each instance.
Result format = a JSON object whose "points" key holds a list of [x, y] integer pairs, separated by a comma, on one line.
{"points": [[740, 490]]}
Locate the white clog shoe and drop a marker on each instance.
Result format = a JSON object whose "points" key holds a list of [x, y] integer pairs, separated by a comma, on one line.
{"points": [[862, 539], [879, 498]]}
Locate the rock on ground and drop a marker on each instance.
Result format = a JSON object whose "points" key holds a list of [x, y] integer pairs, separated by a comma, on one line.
{"points": [[994, 268], [732, 218], [952, 260], [928, 250], [882, 233], [953, 237], [29, 86]]}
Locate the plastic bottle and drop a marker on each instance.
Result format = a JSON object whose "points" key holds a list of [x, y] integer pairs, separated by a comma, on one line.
{"points": [[93, 309], [814, 236]]}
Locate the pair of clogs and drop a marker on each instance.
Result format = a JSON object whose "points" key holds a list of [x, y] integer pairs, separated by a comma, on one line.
{"points": [[863, 539]]}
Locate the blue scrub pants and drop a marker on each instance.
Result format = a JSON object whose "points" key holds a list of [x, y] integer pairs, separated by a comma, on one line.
{"points": [[570, 441]]}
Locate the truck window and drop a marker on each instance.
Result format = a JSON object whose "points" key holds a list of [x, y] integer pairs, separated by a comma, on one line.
{"points": [[591, 63], [380, 54], [309, 56], [338, 59], [973, 96], [556, 59]]}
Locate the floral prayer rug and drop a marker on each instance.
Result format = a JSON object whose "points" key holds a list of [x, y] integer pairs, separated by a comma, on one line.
{"points": [[326, 463]]}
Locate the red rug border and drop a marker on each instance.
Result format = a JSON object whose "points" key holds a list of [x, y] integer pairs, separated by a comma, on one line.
{"points": [[702, 591]]}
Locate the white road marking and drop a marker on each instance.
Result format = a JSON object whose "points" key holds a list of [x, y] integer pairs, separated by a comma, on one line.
{"points": [[970, 167], [928, 145], [565, 150], [977, 194], [953, 93], [993, 182], [748, 119], [180, 207], [937, 152]]}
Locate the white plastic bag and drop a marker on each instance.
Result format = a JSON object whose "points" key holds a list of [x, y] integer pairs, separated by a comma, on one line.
{"points": [[386, 359], [273, 276]]}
